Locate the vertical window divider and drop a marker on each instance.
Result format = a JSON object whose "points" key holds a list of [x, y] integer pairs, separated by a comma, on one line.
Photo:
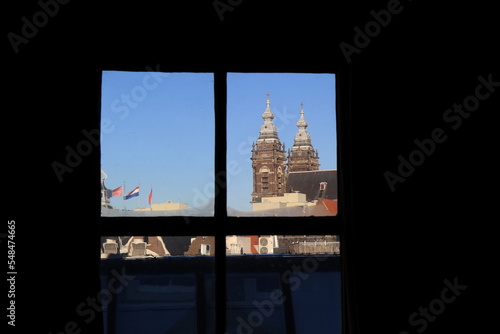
{"points": [[220, 210]]}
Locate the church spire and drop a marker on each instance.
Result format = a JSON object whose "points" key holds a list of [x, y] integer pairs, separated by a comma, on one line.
{"points": [[268, 131], [302, 137], [302, 156]]}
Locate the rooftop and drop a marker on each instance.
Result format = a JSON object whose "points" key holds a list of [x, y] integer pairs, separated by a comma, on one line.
{"points": [[309, 183]]}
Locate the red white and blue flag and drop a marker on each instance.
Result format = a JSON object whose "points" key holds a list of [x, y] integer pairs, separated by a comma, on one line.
{"points": [[133, 193]]}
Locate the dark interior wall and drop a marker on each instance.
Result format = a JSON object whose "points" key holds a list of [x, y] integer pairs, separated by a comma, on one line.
{"points": [[434, 226]]}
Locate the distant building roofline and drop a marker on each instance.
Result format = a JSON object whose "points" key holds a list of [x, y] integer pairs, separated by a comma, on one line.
{"points": [[314, 171]]}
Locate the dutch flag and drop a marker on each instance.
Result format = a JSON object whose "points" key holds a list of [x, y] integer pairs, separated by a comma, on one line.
{"points": [[133, 193]]}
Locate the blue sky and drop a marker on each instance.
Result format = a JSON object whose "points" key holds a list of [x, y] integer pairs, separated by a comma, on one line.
{"points": [[157, 130]]}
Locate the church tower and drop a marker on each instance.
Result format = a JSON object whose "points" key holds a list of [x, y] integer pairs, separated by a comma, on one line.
{"points": [[302, 157], [268, 160]]}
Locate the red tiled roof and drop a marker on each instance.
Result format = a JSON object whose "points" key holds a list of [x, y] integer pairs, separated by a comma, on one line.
{"points": [[330, 205]]}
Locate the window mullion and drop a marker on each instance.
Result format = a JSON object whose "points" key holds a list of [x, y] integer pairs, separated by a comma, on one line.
{"points": [[220, 90], [220, 210]]}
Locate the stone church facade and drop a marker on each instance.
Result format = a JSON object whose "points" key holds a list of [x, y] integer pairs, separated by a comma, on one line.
{"points": [[271, 163]]}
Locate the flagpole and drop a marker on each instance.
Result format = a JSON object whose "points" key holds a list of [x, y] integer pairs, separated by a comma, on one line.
{"points": [[139, 198]]}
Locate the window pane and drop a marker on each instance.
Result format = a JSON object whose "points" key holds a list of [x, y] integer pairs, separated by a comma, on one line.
{"points": [[282, 244], [250, 306], [133, 247], [171, 294], [281, 144], [317, 306], [270, 292], [157, 144]]}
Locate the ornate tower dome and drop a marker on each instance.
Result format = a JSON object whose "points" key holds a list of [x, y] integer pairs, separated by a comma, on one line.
{"points": [[268, 131], [302, 156], [302, 137]]}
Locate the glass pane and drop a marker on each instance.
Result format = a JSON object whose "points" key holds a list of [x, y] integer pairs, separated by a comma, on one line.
{"points": [[282, 244], [130, 247], [281, 144], [283, 284], [157, 144], [317, 306], [171, 294], [254, 302]]}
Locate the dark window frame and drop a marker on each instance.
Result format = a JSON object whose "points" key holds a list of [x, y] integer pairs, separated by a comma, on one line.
{"points": [[221, 225]]}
